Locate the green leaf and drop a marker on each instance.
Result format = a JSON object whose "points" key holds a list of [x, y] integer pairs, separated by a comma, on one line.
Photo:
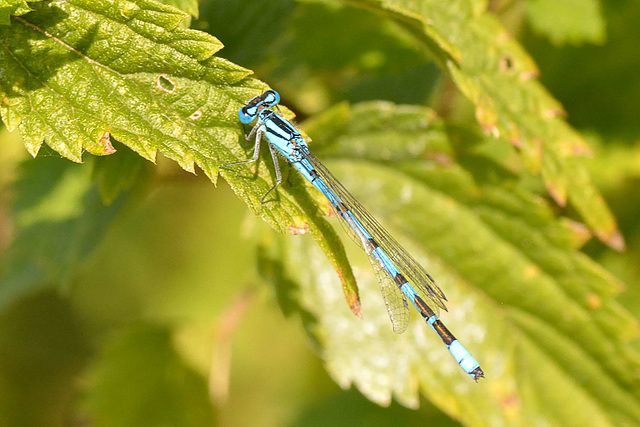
{"points": [[537, 314], [559, 21], [66, 84], [495, 73], [78, 73], [13, 7]]}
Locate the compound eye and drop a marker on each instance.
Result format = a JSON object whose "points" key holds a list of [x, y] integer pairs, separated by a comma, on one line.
{"points": [[271, 97], [245, 116]]}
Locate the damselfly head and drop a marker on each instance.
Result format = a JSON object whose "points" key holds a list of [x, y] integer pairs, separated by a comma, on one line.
{"points": [[271, 98], [248, 113]]}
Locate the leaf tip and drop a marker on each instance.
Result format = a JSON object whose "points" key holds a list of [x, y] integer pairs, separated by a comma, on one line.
{"points": [[33, 149], [580, 233], [105, 143], [350, 293], [356, 308], [529, 75], [557, 194], [551, 113], [614, 240]]}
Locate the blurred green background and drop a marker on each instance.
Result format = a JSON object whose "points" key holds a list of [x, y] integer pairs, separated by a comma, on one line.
{"points": [[180, 306]]}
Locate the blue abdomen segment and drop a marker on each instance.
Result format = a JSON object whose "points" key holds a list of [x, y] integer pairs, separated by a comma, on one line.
{"points": [[461, 355]]}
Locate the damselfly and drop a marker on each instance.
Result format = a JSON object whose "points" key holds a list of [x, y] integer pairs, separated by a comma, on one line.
{"points": [[399, 274]]}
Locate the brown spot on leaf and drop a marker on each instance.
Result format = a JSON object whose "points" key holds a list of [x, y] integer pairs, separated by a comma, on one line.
{"points": [[528, 75], [593, 301], [105, 141], [294, 229], [439, 157], [517, 142], [510, 402], [581, 150], [554, 112], [196, 115], [487, 118]]}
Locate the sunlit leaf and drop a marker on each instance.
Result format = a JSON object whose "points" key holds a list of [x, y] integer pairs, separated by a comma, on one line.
{"points": [[537, 314], [13, 7]]}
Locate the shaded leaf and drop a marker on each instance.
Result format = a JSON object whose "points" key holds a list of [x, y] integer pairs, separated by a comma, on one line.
{"points": [[247, 32], [116, 173], [602, 96], [60, 217], [43, 348], [141, 361], [559, 21]]}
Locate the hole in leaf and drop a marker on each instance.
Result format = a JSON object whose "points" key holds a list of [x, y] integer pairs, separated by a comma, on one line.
{"points": [[196, 115], [165, 84], [506, 63]]}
